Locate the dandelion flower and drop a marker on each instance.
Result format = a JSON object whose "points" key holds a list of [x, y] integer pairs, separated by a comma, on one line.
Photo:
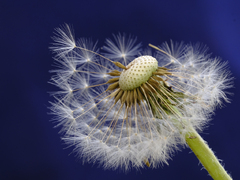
{"points": [[126, 108]]}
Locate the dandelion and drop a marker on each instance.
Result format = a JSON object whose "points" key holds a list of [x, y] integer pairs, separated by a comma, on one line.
{"points": [[127, 108]]}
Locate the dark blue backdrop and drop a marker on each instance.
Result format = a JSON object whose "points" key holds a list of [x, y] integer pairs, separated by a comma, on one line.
{"points": [[31, 148]]}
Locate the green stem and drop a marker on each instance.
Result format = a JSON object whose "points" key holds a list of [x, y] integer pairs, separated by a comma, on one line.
{"points": [[206, 156]]}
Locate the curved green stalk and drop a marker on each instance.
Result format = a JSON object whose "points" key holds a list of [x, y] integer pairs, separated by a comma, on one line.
{"points": [[206, 156]]}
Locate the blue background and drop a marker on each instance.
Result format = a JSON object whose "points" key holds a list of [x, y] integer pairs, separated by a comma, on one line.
{"points": [[31, 148]]}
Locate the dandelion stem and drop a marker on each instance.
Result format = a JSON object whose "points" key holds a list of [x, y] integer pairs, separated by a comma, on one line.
{"points": [[206, 156]]}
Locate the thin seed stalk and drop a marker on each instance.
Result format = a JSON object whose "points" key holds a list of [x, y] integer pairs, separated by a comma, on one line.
{"points": [[206, 156]]}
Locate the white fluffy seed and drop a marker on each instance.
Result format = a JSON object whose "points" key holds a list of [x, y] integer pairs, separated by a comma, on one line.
{"points": [[138, 72]]}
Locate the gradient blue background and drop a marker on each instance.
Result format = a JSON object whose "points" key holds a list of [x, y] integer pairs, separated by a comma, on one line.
{"points": [[31, 148]]}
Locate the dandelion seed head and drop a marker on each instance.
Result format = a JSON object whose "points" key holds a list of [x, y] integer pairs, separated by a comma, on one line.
{"points": [[126, 108]]}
